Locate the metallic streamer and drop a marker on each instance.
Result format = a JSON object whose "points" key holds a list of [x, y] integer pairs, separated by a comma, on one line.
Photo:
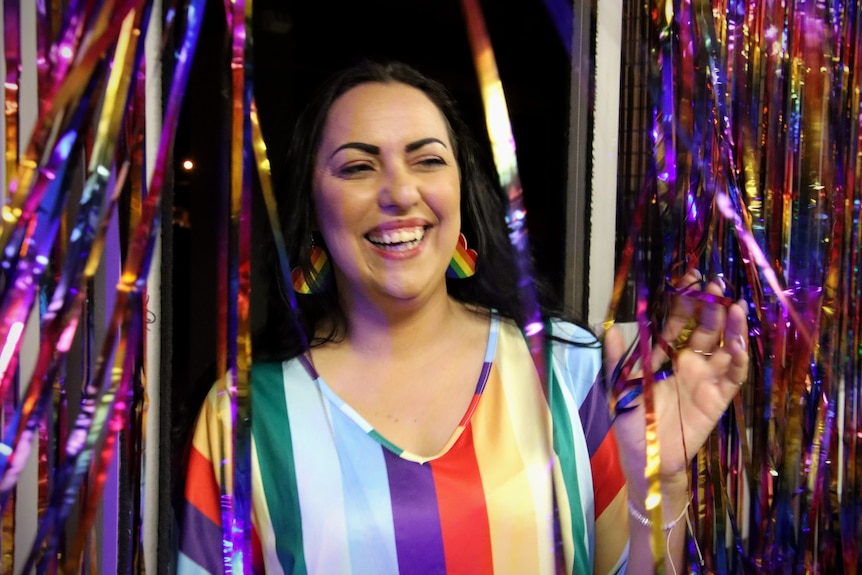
{"points": [[236, 493], [665, 141], [124, 64], [57, 330], [100, 159], [265, 176], [503, 150], [771, 128], [50, 432], [26, 195], [26, 257], [653, 502], [82, 441], [91, 419], [12, 53], [44, 35], [19, 298], [137, 432]]}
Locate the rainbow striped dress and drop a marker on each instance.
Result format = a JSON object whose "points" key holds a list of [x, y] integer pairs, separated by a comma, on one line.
{"points": [[331, 496]]}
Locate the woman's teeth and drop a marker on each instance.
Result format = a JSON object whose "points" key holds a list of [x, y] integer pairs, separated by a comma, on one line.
{"points": [[398, 240]]}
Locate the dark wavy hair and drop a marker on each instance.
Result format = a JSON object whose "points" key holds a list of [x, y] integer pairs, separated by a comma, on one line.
{"points": [[483, 210]]}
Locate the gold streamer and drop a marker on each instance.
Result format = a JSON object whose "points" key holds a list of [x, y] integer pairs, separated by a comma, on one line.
{"points": [[12, 49], [234, 338], [653, 502]]}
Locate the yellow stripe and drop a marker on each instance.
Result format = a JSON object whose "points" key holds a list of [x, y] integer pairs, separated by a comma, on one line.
{"points": [[208, 437], [521, 527], [612, 528], [261, 518]]}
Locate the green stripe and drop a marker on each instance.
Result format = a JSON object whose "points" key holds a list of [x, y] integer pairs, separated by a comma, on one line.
{"points": [[386, 443], [277, 468], [564, 446]]}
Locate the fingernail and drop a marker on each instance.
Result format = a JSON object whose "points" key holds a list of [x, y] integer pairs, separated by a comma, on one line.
{"points": [[719, 279], [742, 343]]}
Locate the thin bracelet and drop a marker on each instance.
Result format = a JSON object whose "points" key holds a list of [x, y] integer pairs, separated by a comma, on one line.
{"points": [[647, 522]]}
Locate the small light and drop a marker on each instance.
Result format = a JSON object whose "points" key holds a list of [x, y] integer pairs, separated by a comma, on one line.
{"points": [[66, 52], [188, 165]]}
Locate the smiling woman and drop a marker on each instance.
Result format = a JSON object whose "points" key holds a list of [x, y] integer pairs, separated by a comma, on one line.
{"points": [[405, 439], [299, 44], [415, 434], [387, 196]]}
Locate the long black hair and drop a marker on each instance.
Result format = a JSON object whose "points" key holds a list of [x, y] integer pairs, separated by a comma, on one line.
{"points": [[483, 209]]}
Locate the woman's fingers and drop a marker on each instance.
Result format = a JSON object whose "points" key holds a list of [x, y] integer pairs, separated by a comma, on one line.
{"points": [[736, 344], [718, 342], [722, 368], [707, 335], [682, 310]]}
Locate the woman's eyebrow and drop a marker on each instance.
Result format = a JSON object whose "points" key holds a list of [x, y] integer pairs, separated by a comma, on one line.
{"points": [[367, 148], [375, 150], [412, 146]]}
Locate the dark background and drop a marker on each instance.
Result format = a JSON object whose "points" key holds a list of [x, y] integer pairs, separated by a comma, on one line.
{"points": [[296, 46]]}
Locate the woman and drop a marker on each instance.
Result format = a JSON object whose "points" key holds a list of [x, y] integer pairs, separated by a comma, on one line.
{"points": [[413, 435]]}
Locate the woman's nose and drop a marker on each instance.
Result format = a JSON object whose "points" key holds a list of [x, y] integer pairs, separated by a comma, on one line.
{"points": [[398, 190]]}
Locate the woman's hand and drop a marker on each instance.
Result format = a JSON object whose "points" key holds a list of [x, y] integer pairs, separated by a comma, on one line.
{"points": [[708, 373]]}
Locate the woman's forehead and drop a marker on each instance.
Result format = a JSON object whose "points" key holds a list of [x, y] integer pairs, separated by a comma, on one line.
{"points": [[384, 110]]}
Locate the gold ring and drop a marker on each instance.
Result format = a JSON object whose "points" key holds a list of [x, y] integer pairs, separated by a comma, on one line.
{"points": [[701, 352]]}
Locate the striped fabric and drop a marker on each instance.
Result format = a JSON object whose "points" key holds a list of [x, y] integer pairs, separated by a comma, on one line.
{"points": [[332, 496]]}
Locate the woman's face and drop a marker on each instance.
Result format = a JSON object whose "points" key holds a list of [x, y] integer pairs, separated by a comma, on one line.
{"points": [[387, 194]]}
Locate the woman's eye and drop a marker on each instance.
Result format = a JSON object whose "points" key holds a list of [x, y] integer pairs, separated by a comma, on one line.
{"points": [[353, 169], [432, 162]]}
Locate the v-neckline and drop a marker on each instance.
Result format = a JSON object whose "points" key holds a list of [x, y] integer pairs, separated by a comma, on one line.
{"points": [[363, 424]]}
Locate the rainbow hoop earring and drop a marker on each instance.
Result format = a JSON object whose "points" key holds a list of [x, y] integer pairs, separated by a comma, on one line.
{"points": [[463, 264], [320, 277]]}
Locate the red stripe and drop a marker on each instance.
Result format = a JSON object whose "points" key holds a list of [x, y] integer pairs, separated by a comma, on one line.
{"points": [[202, 490], [470, 409], [463, 514], [256, 552], [608, 478]]}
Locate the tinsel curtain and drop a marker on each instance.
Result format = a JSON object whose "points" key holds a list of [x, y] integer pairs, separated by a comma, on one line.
{"points": [[755, 113]]}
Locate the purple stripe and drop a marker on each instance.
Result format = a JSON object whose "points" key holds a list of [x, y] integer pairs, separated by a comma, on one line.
{"points": [[201, 540], [595, 418], [418, 539], [483, 377], [308, 367]]}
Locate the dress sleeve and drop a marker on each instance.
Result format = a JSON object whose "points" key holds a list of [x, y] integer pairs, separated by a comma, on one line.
{"points": [[200, 541], [578, 367], [609, 485]]}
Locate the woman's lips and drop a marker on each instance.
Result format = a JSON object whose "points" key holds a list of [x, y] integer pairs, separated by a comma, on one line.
{"points": [[401, 239]]}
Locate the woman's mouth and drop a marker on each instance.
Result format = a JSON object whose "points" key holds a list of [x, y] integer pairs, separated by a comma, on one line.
{"points": [[397, 240]]}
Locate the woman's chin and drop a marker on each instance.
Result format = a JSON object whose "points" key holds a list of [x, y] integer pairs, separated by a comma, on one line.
{"points": [[407, 291]]}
